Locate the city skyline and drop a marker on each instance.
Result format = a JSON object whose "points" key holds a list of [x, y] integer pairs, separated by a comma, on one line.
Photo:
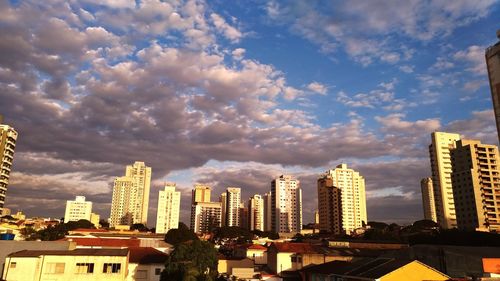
{"points": [[204, 92]]}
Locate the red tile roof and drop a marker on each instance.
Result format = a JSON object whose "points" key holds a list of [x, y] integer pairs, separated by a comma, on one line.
{"points": [[301, 248], [90, 230], [147, 255], [105, 242], [257, 247]]}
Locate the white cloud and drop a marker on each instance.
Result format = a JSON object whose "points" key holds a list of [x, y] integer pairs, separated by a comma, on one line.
{"points": [[474, 57], [317, 88], [230, 32]]}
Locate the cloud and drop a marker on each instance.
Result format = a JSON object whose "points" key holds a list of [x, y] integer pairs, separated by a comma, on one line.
{"points": [[317, 88], [474, 57], [230, 32]]}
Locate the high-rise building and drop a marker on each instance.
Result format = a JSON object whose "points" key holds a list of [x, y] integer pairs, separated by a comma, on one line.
{"points": [[8, 138], [223, 202], [205, 216], [492, 55], [329, 205], [169, 202], [476, 185], [267, 198], [201, 193], [79, 209], [256, 213], [233, 201], [352, 197], [428, 202], [131, 196], [95, 219], [286, 205], [440, 158], [244, 216], [316, 217]]}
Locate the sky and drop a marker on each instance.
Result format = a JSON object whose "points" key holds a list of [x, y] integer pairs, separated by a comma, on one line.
{"points": [[237, 93]]}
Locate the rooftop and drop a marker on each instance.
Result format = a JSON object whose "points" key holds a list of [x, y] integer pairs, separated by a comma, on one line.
{"points": [[302, 248], [147, 255], [76, 252], [105, 242]]}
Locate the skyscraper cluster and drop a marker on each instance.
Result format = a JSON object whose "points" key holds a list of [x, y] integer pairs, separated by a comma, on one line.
{"points": [[465, 184]]}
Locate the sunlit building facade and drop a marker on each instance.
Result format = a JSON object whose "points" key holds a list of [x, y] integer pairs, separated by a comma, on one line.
{"points": [[8, 138], [286, 205], [428, 203], [169, 203], [492, 55]]}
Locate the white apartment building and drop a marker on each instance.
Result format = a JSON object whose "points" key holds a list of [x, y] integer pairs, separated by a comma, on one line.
{"points": [[233, 202], [428, 199], [205, 216], [167, 216], [131, 196], [256, 212], [286, 205], [353, 197], [8, 138], [79, 209], [441, 167]]}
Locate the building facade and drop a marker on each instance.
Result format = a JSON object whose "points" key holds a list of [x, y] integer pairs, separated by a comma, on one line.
{"points": [[492, 56], [286, 205], [130, 201], [352, 196], [223, 203], [441, 168], [256, 213], [78, 209], [201, 193], [476, 185], [205, 217], [233, 202], [8, 138], [428, 199], [267, 198], [329, 205], [169, 202]]}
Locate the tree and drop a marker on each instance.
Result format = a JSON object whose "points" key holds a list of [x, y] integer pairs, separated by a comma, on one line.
{"points": [[72, 225], [233, 232], [139, 226], [104, 223], [180, 235]]}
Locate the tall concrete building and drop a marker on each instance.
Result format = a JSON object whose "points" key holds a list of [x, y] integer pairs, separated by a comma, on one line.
{"points": [[78, 209], [233, 202], [267, 198], [492, 56], [223, 202], [8, 138], [205, 216], [169, 203], [130, 201], [352, 196], [201, 193], [329, 205], [428, 202], [441, 168], [286, 205], [244, 216], [256, 213], [476, 185]]}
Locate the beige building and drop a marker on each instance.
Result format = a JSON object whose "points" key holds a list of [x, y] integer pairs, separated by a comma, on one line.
{"points": [[286, 205], [267, 198], [8, 138], [476, 185], [78, 209], [428, 199], [492, 55], [169, 202], [352, 194], [78, 264], [130, 201], [201, 193], [329, 205], [205, 216], [440, 158], [95, 219], [233, 202], [256, 213]]}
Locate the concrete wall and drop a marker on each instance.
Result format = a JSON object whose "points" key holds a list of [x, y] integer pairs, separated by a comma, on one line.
{"points": [[144, 272]]}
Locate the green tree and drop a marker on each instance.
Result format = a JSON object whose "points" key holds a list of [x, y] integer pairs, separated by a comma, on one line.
{"points": [[139, 226], [180, 235]]}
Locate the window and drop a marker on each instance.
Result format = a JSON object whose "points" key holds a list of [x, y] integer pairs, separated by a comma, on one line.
{"points": [[84, 268], [54, 268], [111, 268], [157, 271], [13, 265]]}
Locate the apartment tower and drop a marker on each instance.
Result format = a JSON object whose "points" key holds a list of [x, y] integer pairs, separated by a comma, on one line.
{"points": [[233, 202], [286, 205], [205, 217], [79, 209], [256, 213], [169, 203], [201, 193], [441, 168], [329, 205], [8, 138], [428, 199], [492, 56], [267, 198], [131, 196], [223, 202], [352, 197], [476, 185]]}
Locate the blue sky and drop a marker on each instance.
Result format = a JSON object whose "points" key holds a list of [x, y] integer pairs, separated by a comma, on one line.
{"points": [[234, 94]]}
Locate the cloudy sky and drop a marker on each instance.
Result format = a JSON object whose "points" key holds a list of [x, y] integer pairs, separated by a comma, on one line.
{"points": [[236, 94]]}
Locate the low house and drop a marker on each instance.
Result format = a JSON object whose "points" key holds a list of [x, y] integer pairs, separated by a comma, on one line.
{"points": [[292, 256], [239, 267], [145, 264], [78, 264], [380, 269]]}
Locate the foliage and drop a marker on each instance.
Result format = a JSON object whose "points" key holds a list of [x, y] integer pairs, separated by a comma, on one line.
{"points": [[58, 231], [233, 232], [268, 234], [456, 237], [191, 261], [139, 226], [180, 235], [104, 223]]}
